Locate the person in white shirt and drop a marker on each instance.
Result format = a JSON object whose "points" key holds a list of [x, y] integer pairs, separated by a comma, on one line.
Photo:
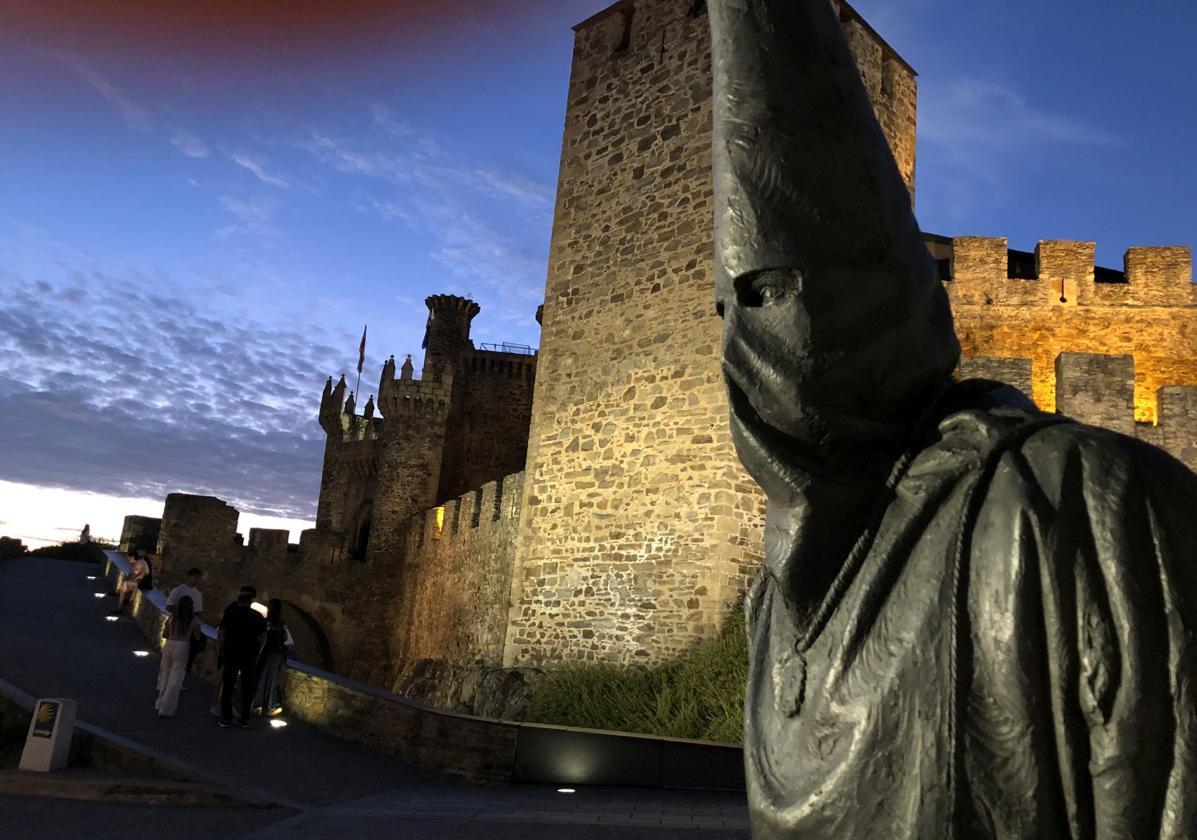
{"points": [[189, 589]]}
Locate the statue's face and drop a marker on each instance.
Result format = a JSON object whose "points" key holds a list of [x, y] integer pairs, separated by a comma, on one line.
{"points": [[819, 373]]}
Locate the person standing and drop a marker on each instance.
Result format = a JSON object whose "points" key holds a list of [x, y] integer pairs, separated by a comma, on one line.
{"points": [[238, 640], [180, 628], [268, 697], [85, 534], [190, 589]]}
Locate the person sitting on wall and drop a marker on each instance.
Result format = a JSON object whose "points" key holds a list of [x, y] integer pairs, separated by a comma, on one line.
{"points": [[189, 589], [238, 641], [139, 572]]}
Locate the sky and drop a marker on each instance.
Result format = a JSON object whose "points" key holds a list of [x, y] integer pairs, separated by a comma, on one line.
{"points": [[199, 212]]}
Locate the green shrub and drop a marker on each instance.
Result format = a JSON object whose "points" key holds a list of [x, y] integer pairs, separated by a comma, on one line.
{"points": [[92, 552], [698, 696]]}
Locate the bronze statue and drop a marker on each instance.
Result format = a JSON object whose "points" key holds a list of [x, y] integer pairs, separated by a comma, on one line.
{"points": [[974, 620]]}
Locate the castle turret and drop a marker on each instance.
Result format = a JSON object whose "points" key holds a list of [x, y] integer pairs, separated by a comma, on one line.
{"points": [[368, 411], [448, 330], [350, 405], [406, 371], [330, 406]]}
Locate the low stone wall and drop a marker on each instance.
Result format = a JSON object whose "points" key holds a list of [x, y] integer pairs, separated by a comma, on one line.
{"points": [[477, 748]]}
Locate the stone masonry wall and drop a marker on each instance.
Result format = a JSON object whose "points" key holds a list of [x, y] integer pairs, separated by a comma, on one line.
{"points": [[196, 531], [487, 434], [1152, 316], [456, 580], [140, 533], [639, 525]]}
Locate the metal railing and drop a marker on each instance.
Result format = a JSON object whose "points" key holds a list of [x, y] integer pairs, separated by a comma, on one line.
{"points": [[507, 347]]}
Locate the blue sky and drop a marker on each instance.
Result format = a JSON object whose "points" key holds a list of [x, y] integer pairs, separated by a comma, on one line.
{"points": [[191, 238]]}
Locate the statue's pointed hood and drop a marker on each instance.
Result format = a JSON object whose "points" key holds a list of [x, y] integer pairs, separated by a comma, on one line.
{"points": [[837, 330]]}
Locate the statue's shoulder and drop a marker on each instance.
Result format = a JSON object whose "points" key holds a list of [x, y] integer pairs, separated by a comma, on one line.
{"points": [[1002, 425]]}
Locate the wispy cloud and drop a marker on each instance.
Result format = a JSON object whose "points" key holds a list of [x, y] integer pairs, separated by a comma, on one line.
{"points": [[189, 144], [253, 216], [974, 113], [134, 115], [977, 133], [246, 161], [478, 219]]}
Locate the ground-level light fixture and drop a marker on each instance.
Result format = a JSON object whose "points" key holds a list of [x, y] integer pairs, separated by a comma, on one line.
{"points": [[141, 653], [277, 723], [91, 577], [566, 790], [112, 618], [100, 594]]}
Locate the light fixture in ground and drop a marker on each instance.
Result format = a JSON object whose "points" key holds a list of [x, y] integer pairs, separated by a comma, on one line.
{"points": [[112, 618], [277, 723], [566, 790], [91, 577], [100, 594], [141, 653]]}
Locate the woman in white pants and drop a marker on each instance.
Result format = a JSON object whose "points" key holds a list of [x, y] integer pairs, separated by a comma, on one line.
{"points": [[179, 630]]}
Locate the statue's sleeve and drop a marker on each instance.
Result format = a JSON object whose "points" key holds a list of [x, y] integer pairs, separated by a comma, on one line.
{"points": [[1108, 526]]}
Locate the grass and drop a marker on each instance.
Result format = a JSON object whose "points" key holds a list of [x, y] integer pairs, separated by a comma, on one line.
{"points": [[698, 696]]}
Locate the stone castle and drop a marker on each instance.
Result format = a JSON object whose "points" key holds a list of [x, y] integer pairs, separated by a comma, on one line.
{"points": [[515, 510]]}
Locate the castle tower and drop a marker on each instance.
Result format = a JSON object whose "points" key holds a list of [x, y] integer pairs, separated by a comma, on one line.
{"points": [[447, 334], [638, 525]]}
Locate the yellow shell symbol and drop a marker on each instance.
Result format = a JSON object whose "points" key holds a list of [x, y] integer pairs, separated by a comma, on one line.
{"points": [[45, 713]]}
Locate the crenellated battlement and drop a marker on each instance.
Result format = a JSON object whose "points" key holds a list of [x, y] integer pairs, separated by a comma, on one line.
{"points": [[494, 504], [983, 271]]}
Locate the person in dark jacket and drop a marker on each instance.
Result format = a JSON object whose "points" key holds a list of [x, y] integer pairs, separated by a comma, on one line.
{"points": [[238, 641]]}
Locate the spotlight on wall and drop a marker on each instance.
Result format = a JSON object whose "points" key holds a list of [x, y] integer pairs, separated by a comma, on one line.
{"points": [[112, 618], [141, 653], [566, 790], [260, 609], [277, 724], [100, 594]]}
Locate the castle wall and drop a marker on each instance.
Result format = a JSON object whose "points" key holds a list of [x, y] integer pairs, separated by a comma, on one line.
{"points": [[456, 580], [487, 429], [639, 525], [196, 531], [140, 533], [1152, 316]]}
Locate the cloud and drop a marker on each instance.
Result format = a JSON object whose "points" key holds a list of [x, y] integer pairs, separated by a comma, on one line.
{"points": [[246, 162], [251, 216], [478, 219], [974, 113], [974, 134], [135, 116], [189, 144], [132, 385]]}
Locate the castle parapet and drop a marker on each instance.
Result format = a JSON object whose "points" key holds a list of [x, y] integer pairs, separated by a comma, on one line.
{"points": [[496, 502], [984, 272]]}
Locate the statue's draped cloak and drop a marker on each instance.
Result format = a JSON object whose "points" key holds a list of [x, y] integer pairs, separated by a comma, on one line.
{"points": [[1012, 656]]}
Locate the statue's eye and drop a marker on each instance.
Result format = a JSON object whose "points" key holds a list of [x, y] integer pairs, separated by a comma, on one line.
{"points": [[770, 292]]}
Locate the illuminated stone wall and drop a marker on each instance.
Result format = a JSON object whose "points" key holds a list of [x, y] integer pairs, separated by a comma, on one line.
{"points": [[453, 591], [639, 525], [1151, 315]]}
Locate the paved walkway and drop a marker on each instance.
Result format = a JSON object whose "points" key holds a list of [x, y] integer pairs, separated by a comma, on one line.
{"points": [[55, 641]]}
